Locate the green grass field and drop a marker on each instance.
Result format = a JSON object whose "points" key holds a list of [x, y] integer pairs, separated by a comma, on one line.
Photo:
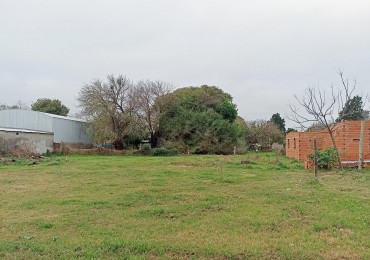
{"points": [[192, 207]]}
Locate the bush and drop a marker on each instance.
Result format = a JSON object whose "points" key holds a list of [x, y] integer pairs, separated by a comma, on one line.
{"points": [[145, 149], [200, 150], [163, 152], [327, 159]]}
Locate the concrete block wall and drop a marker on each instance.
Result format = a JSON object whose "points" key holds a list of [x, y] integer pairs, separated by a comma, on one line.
{"points": [[38, 143]]}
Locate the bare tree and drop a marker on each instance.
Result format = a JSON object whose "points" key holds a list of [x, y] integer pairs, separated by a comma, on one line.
{"points": [[319, 107], [112, 100], [147, 96], [264, 133], [346, 93]]}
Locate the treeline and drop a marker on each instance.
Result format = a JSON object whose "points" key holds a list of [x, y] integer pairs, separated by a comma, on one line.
{"points": [[202, 119], [47, 105]]}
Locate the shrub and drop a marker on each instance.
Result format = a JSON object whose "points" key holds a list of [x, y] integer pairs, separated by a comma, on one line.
{"points": [[327, 159], [145, 149], [200, 150], [163, 152]]}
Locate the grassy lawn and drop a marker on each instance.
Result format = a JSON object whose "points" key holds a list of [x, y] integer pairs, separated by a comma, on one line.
{"points": [[136, 207]]}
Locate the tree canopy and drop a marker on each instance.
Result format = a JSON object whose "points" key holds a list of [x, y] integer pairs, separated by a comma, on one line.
{"points": [[278, 121], [109, 106], [148, 99], [263, 133], [123, 112], [202, 118], [352, 110], [5, 107], [289, 130], [52, 106], [18, 105]]}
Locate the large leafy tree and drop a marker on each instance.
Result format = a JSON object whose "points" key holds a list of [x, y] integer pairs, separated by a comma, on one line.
{"points": [[203, 118], [52, 106], [278, 121], [352, 110]]}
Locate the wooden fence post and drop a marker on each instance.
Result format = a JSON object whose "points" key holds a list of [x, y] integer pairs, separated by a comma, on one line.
{"points": [[315, 155], [360, 145]]}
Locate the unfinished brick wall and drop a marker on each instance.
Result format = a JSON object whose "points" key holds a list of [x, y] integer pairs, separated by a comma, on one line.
{"points": [[347, 137], [299, 145]]}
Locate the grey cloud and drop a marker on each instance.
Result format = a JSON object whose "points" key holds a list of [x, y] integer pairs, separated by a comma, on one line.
{"points": [[261, 52]]}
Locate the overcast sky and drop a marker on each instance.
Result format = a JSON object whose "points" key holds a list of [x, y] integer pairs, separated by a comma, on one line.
{"points": [[262, 52]]}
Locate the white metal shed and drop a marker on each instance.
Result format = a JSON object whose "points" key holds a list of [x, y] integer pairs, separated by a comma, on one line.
{"points": [[65, 129]]}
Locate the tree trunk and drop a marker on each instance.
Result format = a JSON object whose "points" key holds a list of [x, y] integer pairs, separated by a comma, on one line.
{"points": [[118, 144], [153, 140], [335, 147]]}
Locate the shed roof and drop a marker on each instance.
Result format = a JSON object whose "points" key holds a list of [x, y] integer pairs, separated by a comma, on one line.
{"points": [[47, 114], [64, 117], [23, 130]]}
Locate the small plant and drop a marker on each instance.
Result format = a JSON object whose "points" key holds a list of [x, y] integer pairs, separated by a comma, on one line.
{"points": [[48, 153], [281, 165], [45, 225], [327, 159]]}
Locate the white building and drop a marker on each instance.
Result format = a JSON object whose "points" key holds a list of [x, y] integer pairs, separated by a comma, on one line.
{"points": [[36, 141], [63, 129]]}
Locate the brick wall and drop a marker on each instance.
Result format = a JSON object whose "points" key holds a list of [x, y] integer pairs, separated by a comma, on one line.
{"points": [[299, 145], [347, 137]]}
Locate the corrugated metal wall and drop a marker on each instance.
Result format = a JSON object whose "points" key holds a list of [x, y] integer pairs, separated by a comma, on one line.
{"points": [[70, 131], [64, 128], [24, 119]]}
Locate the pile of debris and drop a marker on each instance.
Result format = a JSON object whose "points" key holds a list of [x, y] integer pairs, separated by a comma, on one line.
{"points": [[66, 149], [21, 152]]}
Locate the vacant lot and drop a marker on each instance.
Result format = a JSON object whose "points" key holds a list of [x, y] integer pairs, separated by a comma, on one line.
{"points": [[181, 207]]}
